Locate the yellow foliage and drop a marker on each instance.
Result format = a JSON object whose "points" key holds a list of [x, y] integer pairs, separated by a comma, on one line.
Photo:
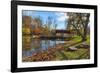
{"points": [[26, 30]]}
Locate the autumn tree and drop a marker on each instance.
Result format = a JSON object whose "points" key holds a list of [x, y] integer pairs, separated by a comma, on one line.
{"points": [[37, 25], [37, 22], [26, 24], [46, 30], [79, 22]]}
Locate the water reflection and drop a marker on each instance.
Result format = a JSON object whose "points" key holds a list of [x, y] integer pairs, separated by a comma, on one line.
{"points": [[31, 46]]}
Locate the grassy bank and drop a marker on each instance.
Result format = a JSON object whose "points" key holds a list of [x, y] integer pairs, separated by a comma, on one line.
{"points": [[80, 53]]}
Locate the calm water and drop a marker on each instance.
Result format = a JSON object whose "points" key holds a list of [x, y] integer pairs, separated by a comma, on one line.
{"points": [[31, 46]]}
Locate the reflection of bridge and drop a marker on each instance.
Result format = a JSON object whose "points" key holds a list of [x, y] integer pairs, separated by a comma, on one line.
{"points": [[63, 31], [54, 37]]}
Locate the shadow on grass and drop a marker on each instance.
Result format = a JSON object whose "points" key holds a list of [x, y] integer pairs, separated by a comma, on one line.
{"points": [[63, 55], [84, 55]]}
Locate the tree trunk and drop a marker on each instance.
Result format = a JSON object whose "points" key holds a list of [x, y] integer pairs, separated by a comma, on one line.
{"points": [[84, 38], [85, 28]]}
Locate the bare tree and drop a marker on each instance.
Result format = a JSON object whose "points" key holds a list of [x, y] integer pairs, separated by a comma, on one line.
{"points": [[49, 22], [55, 24], [79, 22]]}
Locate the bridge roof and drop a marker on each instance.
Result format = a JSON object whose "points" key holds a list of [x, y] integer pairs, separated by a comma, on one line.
{"points": [[62, 31]]}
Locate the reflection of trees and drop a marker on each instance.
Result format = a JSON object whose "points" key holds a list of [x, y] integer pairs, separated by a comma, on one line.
{"points": [[36, 43], [26, 42], [47, 42]]}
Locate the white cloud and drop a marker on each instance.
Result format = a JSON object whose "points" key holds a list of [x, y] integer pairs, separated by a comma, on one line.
{"points": [[28, 13], [61, 16]]}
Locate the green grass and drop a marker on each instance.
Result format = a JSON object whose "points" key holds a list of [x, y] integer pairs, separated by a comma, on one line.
{"points": [[76, 38], [74, 41], [81, 53], [88, 39], [73, 55], [58, 56]]}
